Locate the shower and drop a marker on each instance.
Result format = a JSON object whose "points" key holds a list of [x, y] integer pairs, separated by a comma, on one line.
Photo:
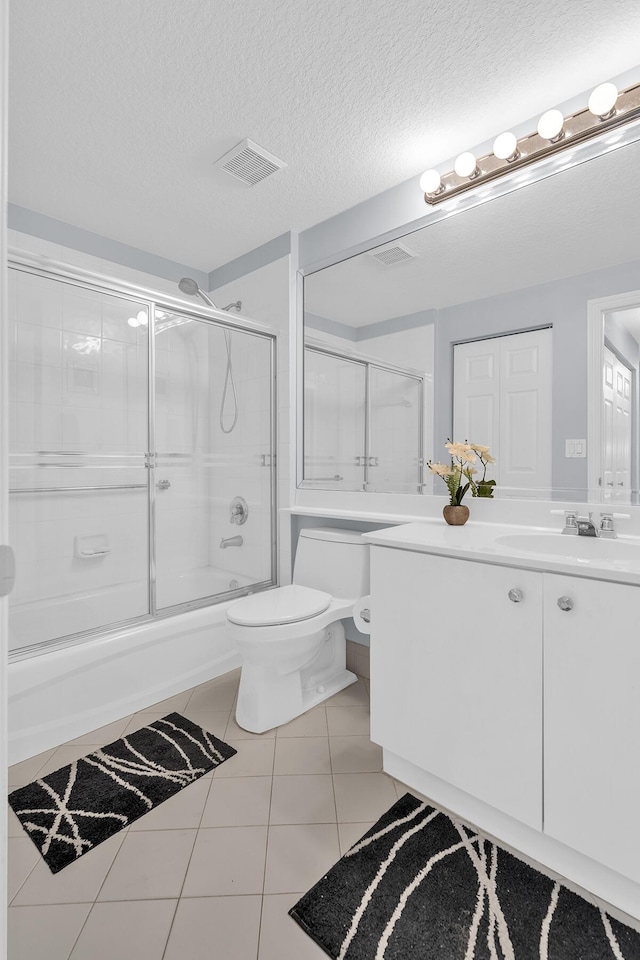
{"points": [[189, 286]]}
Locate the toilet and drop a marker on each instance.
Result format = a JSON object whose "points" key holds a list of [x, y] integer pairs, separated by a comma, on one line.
{"points": [[291, 639]]}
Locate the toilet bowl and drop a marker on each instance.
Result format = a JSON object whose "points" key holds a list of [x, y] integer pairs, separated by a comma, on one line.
{"points": [[291, 639]]}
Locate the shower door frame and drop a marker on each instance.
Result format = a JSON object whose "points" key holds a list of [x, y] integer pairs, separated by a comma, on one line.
{"points": [[48, 268], [368, 363]]}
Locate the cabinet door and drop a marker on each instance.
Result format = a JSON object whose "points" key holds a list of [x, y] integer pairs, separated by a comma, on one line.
{"points": [[592, 720], [456, 674]]}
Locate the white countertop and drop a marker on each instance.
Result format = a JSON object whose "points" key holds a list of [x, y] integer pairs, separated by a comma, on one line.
{"points": [[483, 542]]}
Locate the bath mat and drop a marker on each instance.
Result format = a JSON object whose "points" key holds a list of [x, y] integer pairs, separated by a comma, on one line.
{"points": [[72, 810], [420, 885]]}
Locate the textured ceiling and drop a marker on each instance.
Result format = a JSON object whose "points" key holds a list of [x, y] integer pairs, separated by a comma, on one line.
{"points": [[119, 108]]}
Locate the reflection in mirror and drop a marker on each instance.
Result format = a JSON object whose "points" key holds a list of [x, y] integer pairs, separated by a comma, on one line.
{"points": [[488, 310]]}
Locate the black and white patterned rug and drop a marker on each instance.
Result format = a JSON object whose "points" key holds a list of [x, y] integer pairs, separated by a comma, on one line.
{"points": [[72, 810], [421, 886]]}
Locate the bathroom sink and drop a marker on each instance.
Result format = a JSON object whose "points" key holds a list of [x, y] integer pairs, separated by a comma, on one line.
{"points": [[581, 549]]}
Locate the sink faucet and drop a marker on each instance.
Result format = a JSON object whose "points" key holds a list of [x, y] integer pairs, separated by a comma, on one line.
{"points": [[586, 526], [231, 542]]}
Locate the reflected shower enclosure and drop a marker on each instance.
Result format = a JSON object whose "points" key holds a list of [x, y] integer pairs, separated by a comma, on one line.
{"points": [[363, 423], [136, 421]]}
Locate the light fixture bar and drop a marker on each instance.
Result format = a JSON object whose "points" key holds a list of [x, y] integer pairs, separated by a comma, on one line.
{"points": [[576, 128]]}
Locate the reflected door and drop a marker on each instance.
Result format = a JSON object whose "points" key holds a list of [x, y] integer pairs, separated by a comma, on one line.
{"points": [[617, 420], [502, 398], [213, 437]]}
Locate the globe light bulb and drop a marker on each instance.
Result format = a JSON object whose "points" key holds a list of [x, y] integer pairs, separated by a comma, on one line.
{"points": [[142, 318], [603, 100], [551, 125], [466, 166], [133, 322], [505, 147], [430, 181]]}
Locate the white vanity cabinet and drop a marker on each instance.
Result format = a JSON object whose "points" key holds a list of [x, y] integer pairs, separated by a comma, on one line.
{"points": [[456, 674], [592, 719], [475, 684]]}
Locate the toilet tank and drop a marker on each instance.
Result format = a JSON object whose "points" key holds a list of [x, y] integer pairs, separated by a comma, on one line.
{"points": [[333, 560]]}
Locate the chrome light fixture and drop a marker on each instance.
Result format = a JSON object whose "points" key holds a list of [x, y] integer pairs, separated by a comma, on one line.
{"points": [[607, 109]]}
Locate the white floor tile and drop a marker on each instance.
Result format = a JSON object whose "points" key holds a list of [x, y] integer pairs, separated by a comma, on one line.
{"points": [[253, 759], [311, 724], [348, 721], [355, 755], [302, 799], [297, 856], [78, 882], [183, 811], [128, 930], [238, 802], [22, 856], [149, 865], [227, 861], [44, 932], [362, 796], [280, 937], [302, 755], [208, 927], [350, 833]]}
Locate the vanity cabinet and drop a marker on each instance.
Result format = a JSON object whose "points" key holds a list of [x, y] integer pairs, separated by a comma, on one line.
{"points": [[592, 719], [475, 684], [456, 674]]}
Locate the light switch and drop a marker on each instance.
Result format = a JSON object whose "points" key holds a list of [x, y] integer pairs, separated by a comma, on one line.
{"points": [[575, 448]]}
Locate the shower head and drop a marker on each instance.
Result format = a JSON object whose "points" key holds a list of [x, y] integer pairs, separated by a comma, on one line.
{"points": [[191, 288]]}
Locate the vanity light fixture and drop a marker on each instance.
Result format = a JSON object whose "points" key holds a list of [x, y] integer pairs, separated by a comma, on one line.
{"points": [[607, 109]]}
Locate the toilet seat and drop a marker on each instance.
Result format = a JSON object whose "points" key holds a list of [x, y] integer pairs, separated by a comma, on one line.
{"points": [[282, 605]]}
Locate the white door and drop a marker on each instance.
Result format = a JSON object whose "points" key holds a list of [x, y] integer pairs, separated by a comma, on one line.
{"points": [[502, 398], [592, 719], [616, 420], [460, 697]]}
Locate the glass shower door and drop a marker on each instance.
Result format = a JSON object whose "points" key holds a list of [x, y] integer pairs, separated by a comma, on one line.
{"points": [[213, 473], [78, 472], [334, 420], [395, 431]]}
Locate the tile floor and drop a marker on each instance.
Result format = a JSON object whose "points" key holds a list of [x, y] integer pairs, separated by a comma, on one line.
{"points": [[212, 872]]}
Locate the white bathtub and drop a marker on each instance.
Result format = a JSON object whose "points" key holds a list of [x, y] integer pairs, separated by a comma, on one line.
{"points": [[56, 696]]}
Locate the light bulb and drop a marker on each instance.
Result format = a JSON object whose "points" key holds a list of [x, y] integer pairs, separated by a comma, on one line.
{"points": [[430, 181], [505, 147], [551, 125], [603, 100], [143, 319], [466, 166], [133, 322]]}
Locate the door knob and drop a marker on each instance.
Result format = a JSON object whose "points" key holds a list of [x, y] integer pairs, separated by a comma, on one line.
{"points": [[515, 594], [565, 603]]}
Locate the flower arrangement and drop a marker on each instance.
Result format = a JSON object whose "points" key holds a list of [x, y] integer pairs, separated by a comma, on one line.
{"points": [[459, 477]]}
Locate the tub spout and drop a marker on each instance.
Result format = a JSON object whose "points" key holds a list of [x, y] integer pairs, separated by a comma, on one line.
{"points": [[230, 542]]}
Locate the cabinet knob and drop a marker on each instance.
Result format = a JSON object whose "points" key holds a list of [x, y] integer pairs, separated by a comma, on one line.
{"points": [[565, 603], [515, 594]]}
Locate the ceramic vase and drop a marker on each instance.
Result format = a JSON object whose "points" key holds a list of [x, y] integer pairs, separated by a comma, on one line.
{"points": [[455, 515]]}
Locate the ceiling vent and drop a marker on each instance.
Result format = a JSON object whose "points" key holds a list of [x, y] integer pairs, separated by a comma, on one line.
{"points": [[392, 254], [249, 162]]}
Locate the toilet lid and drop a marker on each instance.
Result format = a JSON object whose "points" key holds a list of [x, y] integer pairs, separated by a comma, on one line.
{"points": [[282, 605]]}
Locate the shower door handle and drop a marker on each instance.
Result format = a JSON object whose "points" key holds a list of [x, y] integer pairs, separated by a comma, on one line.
{"points": [[163, 484], [7, 569]]}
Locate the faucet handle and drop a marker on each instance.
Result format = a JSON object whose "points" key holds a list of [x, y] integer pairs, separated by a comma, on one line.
{"points": [[606, 525], [570, 521]]}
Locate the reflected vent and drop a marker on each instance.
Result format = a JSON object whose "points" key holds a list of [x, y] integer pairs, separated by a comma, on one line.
{"points": [[394, 253], [250, 163]]}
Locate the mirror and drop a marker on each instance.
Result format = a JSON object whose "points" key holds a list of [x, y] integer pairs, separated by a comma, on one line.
{"points": [[476, 327]]}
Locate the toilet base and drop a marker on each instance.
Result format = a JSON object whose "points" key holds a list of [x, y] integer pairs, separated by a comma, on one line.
{"points": [[256, 716], [270, 695]]}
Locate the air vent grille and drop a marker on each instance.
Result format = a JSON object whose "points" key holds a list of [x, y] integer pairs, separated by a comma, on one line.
{"points": [[250, 163], [392, 254]]}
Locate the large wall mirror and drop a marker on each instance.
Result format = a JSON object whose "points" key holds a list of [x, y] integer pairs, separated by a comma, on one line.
{"points": [[514, 324]]}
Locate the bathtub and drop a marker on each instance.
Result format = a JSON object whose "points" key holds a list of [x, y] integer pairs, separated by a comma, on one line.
{"points": [[63, 694]]}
